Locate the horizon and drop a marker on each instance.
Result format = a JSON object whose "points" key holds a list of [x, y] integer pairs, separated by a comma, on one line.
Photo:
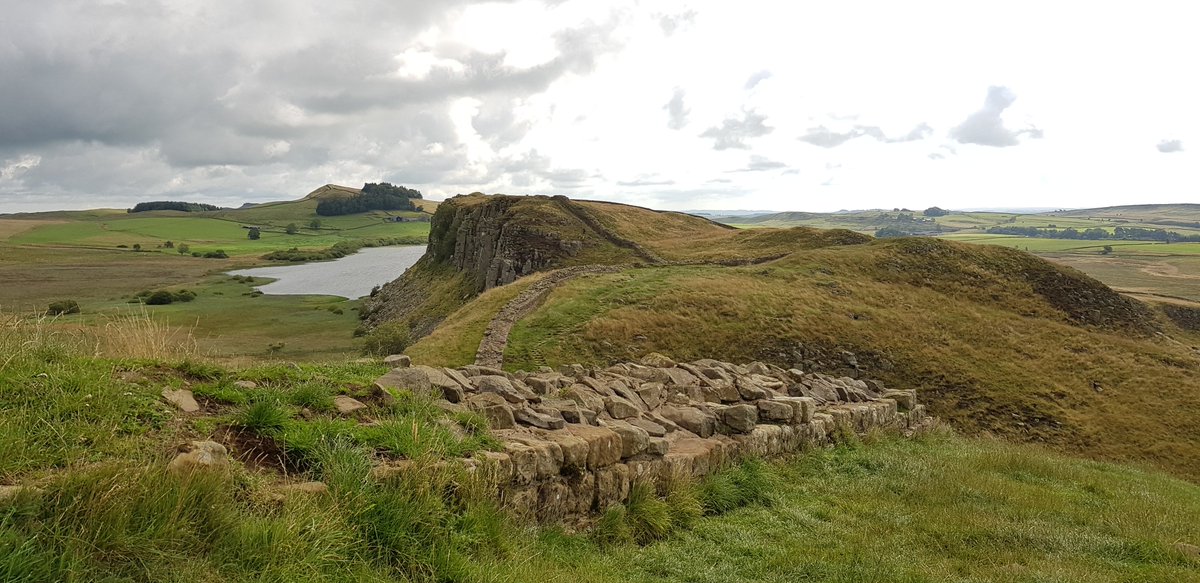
{"points": [[689, 105]]}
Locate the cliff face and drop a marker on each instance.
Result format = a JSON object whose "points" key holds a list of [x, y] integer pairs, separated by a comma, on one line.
{"points": [[492, 242], [478, 242]]}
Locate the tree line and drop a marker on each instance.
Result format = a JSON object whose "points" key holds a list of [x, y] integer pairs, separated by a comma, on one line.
{"points": [[1098, 234], [172, 205], [380, 196]]}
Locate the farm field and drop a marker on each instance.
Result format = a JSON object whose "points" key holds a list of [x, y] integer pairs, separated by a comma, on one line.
{"points": [[90, 257]]}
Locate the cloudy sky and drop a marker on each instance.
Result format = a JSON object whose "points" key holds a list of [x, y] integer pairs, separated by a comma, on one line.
{"points": [[671, 104]]}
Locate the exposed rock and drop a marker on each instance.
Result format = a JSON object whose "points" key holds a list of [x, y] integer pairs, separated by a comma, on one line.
{"points": [[348, 405], [199, 456], [633, 439], [397, 361], [513, 392], [585, 397], [657, 360], [692, 419], [494, 408], [741, 418], [653, 394], [657, 446], [906, 400], [620, 408], [604, 445], [527, 416], [654, 429], [775, 410], [246, 385], [182, 399]]}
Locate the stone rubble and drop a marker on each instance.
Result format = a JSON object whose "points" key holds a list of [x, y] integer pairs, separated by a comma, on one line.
{"points": [[576, 439]]}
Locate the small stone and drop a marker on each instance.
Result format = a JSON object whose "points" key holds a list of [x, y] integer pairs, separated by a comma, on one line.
{"points": [[776, 410], [247, 385], [397, 361], [526, 416], [657, 446], [199, 456], [493, 407], [658, 360], [905, 400], [633, 439], [500, 386], [654, 429], [182, 399], [348, 405], [741, 418], [620, 408]]}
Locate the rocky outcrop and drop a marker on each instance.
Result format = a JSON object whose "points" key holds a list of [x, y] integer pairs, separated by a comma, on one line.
{"points": [[576, 439], [487, 240]]}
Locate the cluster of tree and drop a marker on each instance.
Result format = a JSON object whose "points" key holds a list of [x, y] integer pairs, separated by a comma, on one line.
{"points": [[891, 233], [63, 307], [375, 197], [934, 211], [1098, 234], [172, 205]]}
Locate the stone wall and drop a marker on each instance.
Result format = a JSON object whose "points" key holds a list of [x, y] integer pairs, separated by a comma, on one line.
{"points": [[576, 439]]}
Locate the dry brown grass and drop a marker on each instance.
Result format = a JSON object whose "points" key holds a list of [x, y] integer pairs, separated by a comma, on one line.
{"points": [[10, 227], [987, 353]]}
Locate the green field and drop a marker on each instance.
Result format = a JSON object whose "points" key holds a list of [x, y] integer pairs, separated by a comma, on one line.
{"points": [[89, 257]]}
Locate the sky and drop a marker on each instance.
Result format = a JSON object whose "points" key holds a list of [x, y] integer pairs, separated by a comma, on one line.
{"points": [[815, 106]]}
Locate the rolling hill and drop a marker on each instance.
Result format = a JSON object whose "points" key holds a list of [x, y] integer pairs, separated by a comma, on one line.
{"points": [[995, 339]]}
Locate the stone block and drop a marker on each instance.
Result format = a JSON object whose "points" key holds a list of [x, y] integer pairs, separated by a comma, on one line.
{"points": [[604, 445]]}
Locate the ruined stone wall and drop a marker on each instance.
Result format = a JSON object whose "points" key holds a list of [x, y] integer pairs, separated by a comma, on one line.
{"points": [[576, 439]]}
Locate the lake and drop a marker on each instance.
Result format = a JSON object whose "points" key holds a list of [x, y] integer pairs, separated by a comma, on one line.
{"points": [[351, 277]]}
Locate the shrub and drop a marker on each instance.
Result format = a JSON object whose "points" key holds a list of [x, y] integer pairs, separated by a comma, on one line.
{"points": [[291, 229], [218, 254], [183, 248], [254, 233], [265, 417], [159, 298], [389, 338], [63, 307]]}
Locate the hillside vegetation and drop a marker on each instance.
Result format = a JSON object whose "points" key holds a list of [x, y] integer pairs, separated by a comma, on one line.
{"points": [[995, 340]]}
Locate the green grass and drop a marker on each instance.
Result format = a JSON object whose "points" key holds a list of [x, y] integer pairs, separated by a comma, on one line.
{"points": [[93, 436], [936, 509]]}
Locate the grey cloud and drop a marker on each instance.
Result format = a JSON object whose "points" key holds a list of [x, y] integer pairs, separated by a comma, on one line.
{"points": [[129, 99], [757, 78], [986, 128], [1170, 146], [760, 164], [733, 133], [676, 111], [827, 138]]}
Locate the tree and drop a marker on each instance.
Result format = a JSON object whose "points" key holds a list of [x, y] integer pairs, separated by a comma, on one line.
{"points": [[254, 234], [291, 228], [137, 246], [934, 211], [1107, 250], [169, 245], [314, 224], [183, 249]]}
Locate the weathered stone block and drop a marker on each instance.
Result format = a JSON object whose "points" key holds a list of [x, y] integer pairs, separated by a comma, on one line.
{"points": [[494, 408], [604, 445], [633, 439], [740, 418]]}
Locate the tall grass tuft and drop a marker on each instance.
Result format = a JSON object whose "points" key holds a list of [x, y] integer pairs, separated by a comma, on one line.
{"points": [[135, 334]]}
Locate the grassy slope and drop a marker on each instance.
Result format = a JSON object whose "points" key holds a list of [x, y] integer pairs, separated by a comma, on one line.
{"points": [[985, 349], [93, 435]]}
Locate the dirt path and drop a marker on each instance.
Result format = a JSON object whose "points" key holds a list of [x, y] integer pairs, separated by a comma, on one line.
{"points": [[495, 338]]}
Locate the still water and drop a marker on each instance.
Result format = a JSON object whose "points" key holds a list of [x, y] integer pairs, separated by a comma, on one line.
{"points": [[352, 276]]}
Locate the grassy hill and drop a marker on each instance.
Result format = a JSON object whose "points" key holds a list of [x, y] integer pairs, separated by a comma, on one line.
{"points": [[995, 339]]}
